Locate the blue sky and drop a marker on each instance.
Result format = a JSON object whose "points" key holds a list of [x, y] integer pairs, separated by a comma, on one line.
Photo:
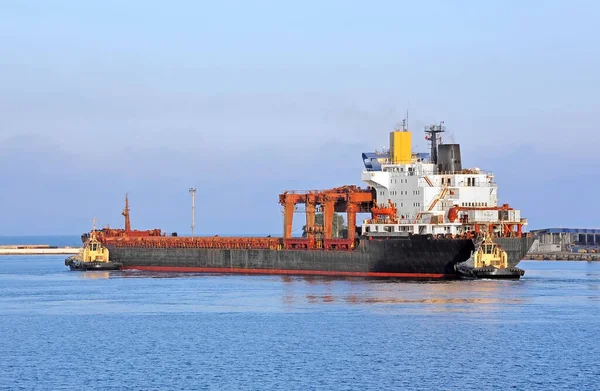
{"points": [[244, 99]]}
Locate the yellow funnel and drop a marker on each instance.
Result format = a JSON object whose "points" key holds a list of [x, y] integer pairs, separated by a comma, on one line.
{"points": [[400, 147]]}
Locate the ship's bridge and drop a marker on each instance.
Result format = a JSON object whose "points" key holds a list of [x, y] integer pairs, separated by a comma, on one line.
{"points": [[377, 161], [423, 188]]}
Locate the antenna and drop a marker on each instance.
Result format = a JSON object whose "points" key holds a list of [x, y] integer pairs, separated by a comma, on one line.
{"points": [[193, 193], [94, 221], [433, 131]]}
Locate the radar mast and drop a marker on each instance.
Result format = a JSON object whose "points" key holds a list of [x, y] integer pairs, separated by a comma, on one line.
{"points": [[432, 135]]}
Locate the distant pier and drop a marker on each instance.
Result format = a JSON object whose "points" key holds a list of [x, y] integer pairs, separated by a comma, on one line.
{"points": [[37, 249], [565, 244], [562, 256]]}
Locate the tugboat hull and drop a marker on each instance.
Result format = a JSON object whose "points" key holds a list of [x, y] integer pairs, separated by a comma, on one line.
{"points": [[490, 272], [85, 266]]}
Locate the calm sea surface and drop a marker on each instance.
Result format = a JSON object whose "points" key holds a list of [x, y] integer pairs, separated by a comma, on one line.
{"points": [[134, 330]]}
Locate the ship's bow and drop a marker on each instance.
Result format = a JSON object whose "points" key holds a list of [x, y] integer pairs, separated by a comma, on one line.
{"points": [[516, 248]]}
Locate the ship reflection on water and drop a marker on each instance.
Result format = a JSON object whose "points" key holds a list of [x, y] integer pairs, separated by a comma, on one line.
{"points": [[352, 299], [482, 296], [294, 291], [95, 275]]}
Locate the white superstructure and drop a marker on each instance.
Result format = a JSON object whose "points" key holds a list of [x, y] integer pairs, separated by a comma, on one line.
{"points": [[432, 193]]}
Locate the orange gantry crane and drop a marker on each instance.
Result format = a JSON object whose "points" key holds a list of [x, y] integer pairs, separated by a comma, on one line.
{"points": [[345, 199]]}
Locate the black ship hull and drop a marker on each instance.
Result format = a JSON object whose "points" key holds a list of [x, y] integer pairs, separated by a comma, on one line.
{"points": [[516, 248], [414, 257]]}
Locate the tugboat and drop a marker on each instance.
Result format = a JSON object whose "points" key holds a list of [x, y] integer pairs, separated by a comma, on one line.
{"points": [[93, 256], [488, 261]]}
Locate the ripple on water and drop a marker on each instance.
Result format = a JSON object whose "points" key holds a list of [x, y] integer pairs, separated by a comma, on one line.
{"points": [[69, 330]]}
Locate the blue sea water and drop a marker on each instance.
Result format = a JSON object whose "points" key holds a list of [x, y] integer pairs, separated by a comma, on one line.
{"points": [[65, 330]]}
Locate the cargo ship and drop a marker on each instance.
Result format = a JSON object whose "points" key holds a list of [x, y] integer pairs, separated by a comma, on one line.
{"points": [[425, 215]]}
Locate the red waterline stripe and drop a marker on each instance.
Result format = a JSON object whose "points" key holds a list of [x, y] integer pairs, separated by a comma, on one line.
{"points": [[188, 269]]}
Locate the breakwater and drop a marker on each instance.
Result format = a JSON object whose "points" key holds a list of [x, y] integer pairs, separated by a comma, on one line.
{"points": [[562, 256], [37, 249]]}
